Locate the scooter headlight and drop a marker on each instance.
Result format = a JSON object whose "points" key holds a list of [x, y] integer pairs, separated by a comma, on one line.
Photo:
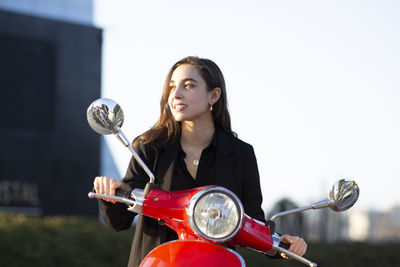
{"points": [[215, 213]]}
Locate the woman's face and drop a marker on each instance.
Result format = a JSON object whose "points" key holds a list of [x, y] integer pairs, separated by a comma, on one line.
{"points": [[189, 99]]}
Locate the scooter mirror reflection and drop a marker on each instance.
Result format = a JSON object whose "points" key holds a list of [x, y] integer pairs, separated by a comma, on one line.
{"points": [[343, 194], [105, 116]]}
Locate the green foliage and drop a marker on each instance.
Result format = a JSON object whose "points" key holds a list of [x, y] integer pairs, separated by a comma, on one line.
{"points": [[334, 255], [61, 241], [76, 241]]}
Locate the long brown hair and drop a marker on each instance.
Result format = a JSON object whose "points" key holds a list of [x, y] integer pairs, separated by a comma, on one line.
{"points": [[167, 129]]}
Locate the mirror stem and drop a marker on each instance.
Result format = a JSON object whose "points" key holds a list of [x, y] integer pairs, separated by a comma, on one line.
{"points": [[121, 137], [316, 205], [288, 212]]}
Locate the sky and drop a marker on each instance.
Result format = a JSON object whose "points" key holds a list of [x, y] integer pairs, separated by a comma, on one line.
{"points": [[314, 86]]}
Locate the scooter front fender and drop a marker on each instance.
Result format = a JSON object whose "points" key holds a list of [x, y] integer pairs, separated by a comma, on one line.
{"points": [[193, 253]]}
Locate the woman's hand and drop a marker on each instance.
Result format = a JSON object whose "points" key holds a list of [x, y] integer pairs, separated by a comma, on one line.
{"points": [[297, 245], [106, 185]]}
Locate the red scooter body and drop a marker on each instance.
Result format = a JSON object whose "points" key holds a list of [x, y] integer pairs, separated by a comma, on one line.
{"points": [[183, 253], [170, 208]]}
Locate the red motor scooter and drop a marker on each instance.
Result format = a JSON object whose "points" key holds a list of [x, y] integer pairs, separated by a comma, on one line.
{"points": [[209, 220]]}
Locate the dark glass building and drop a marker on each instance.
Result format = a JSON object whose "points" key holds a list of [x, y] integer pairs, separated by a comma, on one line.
{"points": [[49, 74]]}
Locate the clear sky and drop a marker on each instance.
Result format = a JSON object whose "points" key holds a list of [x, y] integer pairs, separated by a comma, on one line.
{"points": [[314, 86]]}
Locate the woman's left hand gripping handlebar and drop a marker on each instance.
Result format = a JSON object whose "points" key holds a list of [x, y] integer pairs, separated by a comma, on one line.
{"points": [[105, 185]]}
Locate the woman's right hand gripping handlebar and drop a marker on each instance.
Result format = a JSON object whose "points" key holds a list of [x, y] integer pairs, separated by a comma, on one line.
{"points": [[107, 186]]}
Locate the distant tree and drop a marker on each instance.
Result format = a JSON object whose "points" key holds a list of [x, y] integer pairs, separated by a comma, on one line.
{"points": [[290, 224]]}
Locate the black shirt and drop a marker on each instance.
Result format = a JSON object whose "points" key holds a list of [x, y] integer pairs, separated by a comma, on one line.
{"points": [[182, 179]]}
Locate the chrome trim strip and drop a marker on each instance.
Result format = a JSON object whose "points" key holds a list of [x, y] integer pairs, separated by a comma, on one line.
{"points": [[276, 241], [242, 262], [138, 195], [200, 194]]}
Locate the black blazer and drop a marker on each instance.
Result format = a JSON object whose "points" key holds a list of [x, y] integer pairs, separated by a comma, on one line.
{"points": [[236, 170]]}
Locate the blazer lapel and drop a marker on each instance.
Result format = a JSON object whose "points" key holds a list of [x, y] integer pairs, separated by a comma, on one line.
{"points": [[166, 165]]}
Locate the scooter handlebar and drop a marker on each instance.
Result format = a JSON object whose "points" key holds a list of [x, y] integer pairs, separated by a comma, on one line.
{"points": [[115, 198], [294, 255]]}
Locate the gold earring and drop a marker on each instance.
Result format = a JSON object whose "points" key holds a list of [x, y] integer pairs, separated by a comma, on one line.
{"points": [[211, 108]]}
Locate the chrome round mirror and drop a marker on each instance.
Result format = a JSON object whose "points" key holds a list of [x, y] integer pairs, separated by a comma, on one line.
{"points": [[105, 116], [343, 194]]}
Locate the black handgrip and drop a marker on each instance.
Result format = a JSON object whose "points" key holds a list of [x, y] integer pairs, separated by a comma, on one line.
{"points": [[284, 245], [121, 192]]}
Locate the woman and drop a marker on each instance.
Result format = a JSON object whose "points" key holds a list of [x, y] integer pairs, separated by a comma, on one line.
{"points": [[191, 145]]}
